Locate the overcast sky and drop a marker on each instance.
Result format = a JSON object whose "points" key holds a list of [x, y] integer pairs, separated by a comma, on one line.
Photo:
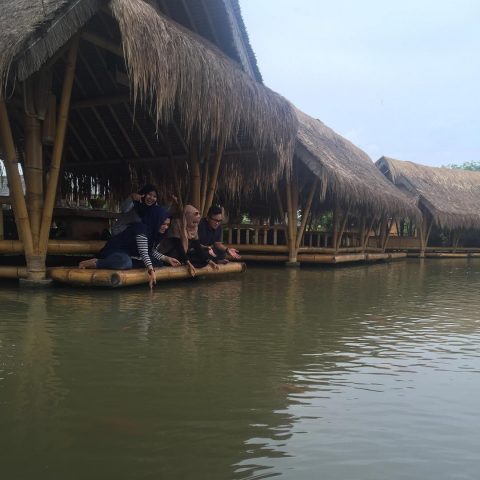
{"points": [[396, 77]]}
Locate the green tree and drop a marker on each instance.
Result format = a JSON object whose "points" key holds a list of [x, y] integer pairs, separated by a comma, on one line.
{"points": [[472, 166]]}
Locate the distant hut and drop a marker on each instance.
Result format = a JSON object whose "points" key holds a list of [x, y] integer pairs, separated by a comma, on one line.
{"points": [[448, 198], [331, 173], [102, 96]]}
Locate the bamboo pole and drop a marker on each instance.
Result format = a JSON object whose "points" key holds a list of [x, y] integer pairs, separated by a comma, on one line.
{"points": [[363, 226], [13, 175], [55, 247], [212, 185], [367, 233], [306, 213], [342, 229], [123, 278], [425, 230], [58, 146], [280, 203], [335, 258], [387, 233], [292, 226], [203, 195], [194, 176], [205, 174], [264, 258], [34, 175], [13, 272]]}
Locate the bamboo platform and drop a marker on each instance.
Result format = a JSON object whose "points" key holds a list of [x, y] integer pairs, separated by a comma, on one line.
{"points": [[447, 255], [330, 259], [125, 278]]}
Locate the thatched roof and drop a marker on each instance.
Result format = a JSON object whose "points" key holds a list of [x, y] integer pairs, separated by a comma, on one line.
{"points": [[32, 30], [450, 196], [187, 86], [167, 64], [346, 172], [213, 96]]}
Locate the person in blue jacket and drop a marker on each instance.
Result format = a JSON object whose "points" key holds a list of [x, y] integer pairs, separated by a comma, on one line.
{"points": [[135, 247]]}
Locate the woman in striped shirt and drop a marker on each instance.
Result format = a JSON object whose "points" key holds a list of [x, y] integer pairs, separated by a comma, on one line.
{"points": [[135, 246]]}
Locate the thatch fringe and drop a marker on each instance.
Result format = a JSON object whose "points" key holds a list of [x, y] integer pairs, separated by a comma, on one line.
{"points": [[33, 31], [347, 174], [216, 99], [450, 196]]}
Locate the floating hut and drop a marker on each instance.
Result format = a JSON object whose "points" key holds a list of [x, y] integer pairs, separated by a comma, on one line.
{"points": [[329, 175], [449, 200], [99, 97]]}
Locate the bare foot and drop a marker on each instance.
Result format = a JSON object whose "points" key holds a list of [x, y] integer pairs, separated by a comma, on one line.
{"points": [[90, 263]]}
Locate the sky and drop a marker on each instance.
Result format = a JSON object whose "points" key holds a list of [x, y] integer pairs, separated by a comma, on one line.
{"points": [[396, 77]]}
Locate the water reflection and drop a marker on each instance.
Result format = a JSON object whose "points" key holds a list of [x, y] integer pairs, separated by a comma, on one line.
{"points": [[340, 373]]}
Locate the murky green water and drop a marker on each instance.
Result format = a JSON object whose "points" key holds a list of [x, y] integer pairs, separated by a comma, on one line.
{"points": [[352, 373]]}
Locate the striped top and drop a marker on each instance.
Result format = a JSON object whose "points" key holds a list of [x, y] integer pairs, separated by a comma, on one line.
{"points": [[142, 246]]}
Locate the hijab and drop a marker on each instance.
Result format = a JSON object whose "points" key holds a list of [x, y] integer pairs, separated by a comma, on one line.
{"points": [[125, 241], [186, 227], [140, 207], [152, 220]]}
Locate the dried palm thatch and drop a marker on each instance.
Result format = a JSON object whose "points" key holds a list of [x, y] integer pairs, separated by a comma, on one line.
{"points": [[32, 31], [348, 173], [169, 68], [215, 98], [451, 197]]}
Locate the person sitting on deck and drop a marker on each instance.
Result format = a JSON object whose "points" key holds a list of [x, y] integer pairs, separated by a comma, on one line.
{"points": [[183, 244], [133, 208], [135, 246], [210, 234]]}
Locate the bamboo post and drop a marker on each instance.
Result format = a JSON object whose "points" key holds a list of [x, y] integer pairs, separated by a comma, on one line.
{"points": [[203, 194], [381, 233], [2, 233], [34, 175], [58, 146], [387, 233], [363, 227], [456, 239], [291, 227], [194, 176], [280, 204], [367, 232], [14, 182], [425, 230], [341, 229], [212, 184], [336, 221], [306, 213]]}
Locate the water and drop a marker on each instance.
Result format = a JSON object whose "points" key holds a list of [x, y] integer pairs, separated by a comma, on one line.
{"points": [[367, 372]]}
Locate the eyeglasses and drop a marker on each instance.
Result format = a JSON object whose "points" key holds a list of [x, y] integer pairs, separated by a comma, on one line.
{"points": [[216, 220]]}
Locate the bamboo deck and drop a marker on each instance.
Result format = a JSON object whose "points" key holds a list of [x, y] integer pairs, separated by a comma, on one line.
{"points": [[125, 278]]}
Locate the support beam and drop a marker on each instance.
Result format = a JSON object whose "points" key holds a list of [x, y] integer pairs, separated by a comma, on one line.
{"points": [[292, 202], [341, 229], [33, 173], [57, 154], [195, 180], [212, 184], [306, 213], [15, 184], [280, 204], [387, 233], [103, 43]]}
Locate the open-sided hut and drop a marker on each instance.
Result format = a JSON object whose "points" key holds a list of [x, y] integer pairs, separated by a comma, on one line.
{"points": [[331, 173], [100, 96], [448, 198]]}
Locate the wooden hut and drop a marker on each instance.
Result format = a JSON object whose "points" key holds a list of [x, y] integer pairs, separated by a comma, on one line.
{"points": [[100, 96], [449, 199], [330, 174]]}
